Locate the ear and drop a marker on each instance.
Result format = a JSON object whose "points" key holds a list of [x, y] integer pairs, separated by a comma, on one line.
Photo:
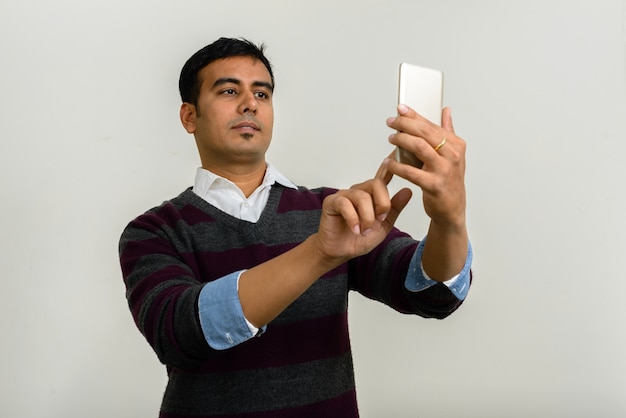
{"points": [[188, 117]]}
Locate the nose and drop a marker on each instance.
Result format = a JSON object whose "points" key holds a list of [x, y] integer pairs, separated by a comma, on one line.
{"points": [[248, 104]]}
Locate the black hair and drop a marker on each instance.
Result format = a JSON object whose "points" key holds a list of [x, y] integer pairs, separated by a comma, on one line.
{"points": [[189, 84]]}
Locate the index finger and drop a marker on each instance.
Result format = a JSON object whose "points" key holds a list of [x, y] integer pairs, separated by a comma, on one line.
{"points": [[383, 173], [409, 112], [408, 120]]}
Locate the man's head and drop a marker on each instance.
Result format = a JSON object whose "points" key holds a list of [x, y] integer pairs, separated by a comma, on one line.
{"points": [[227, 90], [190, 79]]}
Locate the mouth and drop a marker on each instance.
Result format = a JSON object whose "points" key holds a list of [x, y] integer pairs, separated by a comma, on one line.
{"points": [[246, 126]]}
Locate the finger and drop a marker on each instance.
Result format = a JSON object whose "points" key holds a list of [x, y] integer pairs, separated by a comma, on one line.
{"points": [[409, 112], [398, 203], [363, 202], [380, 198], [382, 173], [418, 146], [446, 119], [357, 206], [378, 194], [339, 205], [406, 110], [412, 174], [416, 126]]}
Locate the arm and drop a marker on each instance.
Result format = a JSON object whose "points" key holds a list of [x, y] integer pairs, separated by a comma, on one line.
{"points": [[352, 223], [165, 290], [162, 291]]}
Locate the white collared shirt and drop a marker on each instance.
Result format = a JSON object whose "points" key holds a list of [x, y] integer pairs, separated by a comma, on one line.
{"points": [[228, 197]]}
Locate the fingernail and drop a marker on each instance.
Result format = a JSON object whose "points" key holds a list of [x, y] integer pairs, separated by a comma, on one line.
{"points": [[390, 120], [356, 229], [367, 232], [382, 217], [402, 108]]}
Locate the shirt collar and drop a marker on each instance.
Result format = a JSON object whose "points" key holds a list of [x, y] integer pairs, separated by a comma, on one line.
{"points": [[206, 180], [273, 175]]}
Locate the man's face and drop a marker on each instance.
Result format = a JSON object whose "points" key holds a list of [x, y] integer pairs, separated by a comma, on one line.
{"points": [[234, 117]]}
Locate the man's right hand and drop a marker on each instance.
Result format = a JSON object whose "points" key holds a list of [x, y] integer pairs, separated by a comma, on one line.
{"points": [[356, 220]]}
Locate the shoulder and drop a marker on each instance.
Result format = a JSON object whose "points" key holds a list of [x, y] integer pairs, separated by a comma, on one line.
{"points": [[185, 207]]}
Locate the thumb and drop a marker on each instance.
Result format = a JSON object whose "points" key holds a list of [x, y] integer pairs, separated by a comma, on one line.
{"points": [[446, 119], [398, 203]]}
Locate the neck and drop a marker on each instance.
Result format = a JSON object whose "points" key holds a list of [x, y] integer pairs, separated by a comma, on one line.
{"points": [[245, 177]]}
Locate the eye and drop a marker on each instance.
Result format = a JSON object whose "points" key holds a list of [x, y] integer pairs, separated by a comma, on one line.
{"points": [[262, 95], [229, 92]]}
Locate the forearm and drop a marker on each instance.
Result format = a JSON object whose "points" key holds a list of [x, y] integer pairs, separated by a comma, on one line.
{"points": [[269, 288], [445, 251]]}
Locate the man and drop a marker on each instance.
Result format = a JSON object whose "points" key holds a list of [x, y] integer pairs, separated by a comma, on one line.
{"points": [[240, 283]]}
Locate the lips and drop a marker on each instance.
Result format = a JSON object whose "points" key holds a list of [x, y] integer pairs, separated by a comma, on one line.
{"points": [[246, 125]]}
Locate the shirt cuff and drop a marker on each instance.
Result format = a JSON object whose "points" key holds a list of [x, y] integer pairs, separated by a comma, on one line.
{"points": [[417, 279], [221, 316]]}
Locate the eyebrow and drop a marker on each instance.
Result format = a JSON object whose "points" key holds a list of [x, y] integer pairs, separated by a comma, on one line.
{"points": [[227, 80]]}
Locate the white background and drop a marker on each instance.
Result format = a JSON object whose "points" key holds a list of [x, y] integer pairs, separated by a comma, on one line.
{"points": [[90, 138]]}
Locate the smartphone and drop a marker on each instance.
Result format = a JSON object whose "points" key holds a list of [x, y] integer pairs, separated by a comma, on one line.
{"points": [[421, 89]]}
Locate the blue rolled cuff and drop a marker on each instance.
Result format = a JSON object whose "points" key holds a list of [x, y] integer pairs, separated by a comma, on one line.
{"points": [[221, 316], [417, 279]]}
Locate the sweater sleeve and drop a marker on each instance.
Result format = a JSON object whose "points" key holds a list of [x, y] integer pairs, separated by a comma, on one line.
{"points": [[162, 290], [381, 275]]}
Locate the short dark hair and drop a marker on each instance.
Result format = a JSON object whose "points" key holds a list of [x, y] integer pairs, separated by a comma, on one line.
{"points": [[189, 84]]}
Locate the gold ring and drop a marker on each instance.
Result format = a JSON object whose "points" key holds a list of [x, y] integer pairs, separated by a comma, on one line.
{"points": [[438, 147]]}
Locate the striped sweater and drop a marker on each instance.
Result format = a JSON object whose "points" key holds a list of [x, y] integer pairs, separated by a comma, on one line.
{"points": [[302, 365]]}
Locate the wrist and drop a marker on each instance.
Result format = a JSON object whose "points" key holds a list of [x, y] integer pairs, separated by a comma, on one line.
{"points": [[450, 225], [322, 258]]}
